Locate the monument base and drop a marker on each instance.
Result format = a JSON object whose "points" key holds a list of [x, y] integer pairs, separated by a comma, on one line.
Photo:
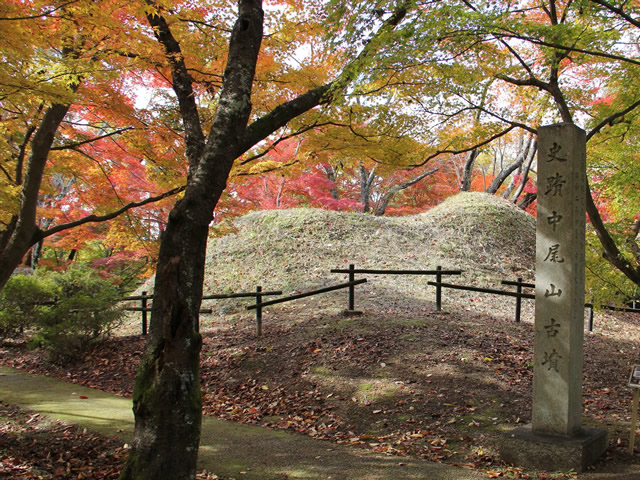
{"points": [[524, 448]]}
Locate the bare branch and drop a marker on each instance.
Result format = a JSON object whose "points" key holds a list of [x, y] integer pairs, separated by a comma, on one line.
{"points": [[618, 11], [569, 49], [40, 15], [182, 86]]}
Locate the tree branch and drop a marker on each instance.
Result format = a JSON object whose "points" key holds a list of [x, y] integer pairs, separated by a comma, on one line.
{"points": [[6, 174], [382, 207], [281, 139], [109, 216], [40, 15], [610, 120], [618, 11], [465, 150], [611, 251], [182, 86], [594, 53], [72, 146]]}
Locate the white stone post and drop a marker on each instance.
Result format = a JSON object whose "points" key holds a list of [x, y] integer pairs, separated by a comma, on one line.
{"points": [[560, 259], [555, 439]]}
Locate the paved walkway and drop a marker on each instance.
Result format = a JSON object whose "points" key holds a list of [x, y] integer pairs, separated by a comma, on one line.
{"points": [[227, 449]]}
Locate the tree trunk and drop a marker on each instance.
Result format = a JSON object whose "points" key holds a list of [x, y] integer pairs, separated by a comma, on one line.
{"points": [[505, 172], [331, 175], [384, 203], [366, 180], [528, 199], [525, 175], [17, 241], [467, 172], [167, 399], [36, 253]]}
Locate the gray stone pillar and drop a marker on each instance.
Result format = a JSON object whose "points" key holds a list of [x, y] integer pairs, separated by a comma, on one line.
{"points": [[560, 258], [555, 440]]}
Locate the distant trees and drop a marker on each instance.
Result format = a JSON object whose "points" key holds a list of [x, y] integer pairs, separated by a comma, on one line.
{"points": [[305, 182], [511, 158]]}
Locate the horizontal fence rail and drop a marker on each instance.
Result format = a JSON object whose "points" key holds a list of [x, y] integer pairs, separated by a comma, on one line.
{"points": [[438, 272], [492, 291], [258, 294], [519, 295], [308, 294], [519, 283], [616, 309], [398, 272]]}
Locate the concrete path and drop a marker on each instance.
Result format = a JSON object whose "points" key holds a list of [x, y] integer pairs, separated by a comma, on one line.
{"points": [[227, 449]]}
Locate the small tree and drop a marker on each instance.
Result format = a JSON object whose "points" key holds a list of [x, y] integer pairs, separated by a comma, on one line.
{"points": [[63, 312], [84, 311], [23, 300]]}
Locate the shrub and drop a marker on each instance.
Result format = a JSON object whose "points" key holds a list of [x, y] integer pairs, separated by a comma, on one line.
{"points": [[85, 311], [23, 301]]}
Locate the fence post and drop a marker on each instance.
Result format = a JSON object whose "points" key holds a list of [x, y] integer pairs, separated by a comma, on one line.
{"points": [[438, 289], [144, 313], [590, 318], [352, 277], [259, 310], [518, 299]]}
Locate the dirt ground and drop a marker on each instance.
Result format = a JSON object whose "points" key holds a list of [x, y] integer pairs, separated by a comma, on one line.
{"points": [[405, 379]]}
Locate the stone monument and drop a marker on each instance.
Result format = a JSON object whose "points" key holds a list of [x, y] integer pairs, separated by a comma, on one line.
{"points": [[556, 440]]}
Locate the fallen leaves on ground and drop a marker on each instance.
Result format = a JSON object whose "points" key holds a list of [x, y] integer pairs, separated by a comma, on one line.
{"points": [[33, 447], [422, 384]]}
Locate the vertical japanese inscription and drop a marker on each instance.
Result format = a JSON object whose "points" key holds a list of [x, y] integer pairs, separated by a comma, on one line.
{"points": [[559, 280], [555, 183]]}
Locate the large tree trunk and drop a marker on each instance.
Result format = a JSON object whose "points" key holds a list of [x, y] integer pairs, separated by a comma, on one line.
{"points": [[167, 398]]}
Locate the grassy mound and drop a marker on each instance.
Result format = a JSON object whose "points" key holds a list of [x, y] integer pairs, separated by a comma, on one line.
{"points": [[485, 232], [294, 249]]}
